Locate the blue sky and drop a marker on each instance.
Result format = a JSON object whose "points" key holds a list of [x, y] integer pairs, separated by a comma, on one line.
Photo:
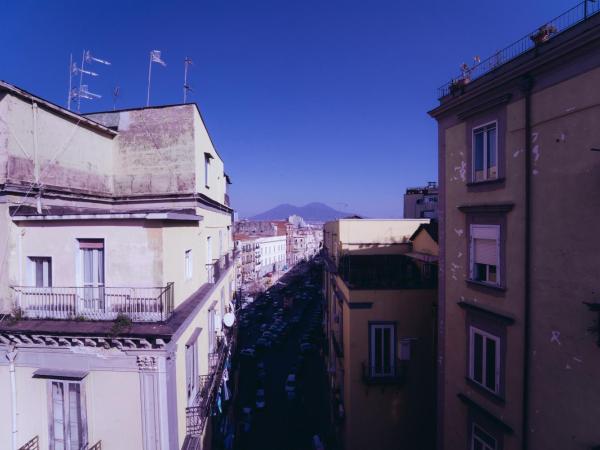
{"points": [[306, 100]]}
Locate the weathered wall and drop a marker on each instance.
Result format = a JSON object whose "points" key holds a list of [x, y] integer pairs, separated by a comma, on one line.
{"points": [[69, 155]]}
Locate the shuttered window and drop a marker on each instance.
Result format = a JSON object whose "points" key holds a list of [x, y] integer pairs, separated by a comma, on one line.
{"points": [[68, 429], [485, 253]]}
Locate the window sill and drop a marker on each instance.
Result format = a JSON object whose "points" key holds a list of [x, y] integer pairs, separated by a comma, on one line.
{"points": [[486, 182], [496, 398], [495, 287]]}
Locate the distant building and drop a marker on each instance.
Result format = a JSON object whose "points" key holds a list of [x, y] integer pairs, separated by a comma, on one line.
{"points": [[272, 254], [421, 202], [519, 159], [381, 292]]}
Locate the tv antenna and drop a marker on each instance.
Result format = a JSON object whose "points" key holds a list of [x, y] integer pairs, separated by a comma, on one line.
{"points": [[186, 87], [82, 91], [116, 93]]}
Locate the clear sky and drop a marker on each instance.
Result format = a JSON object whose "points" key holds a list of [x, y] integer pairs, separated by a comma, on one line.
{"points": [[306, 100]]}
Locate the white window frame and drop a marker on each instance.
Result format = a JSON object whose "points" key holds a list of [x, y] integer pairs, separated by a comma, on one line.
{"points": [[66, 414], [497, 230], [189, 264], [475, 438], [32, 262], [372, 363], [486, 336], [485, 175], [206, 171], [192, 369]]}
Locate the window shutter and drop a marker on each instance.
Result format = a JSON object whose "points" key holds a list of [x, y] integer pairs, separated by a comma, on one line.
{"points": [[486, 251]]}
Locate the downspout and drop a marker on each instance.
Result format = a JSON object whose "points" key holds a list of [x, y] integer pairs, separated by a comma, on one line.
{"points": [[11, 355], [526, 86]]}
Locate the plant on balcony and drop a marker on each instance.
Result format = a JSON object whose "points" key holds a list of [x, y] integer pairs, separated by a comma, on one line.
{"points": [[543, 34], [121, 324], [16, 315]]}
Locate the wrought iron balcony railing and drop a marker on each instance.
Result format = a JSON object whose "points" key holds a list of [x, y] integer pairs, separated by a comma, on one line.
{"points": [[32, 444], [217, 268], [380, 374], [579, 13], [140, 304], [197, 414]]}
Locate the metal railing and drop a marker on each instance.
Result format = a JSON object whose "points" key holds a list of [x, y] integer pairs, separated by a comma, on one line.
{"points": [[33, 444], [140, 304], [197, 414], [394, 374], [565, 21], [216, 269], [96, 446]]}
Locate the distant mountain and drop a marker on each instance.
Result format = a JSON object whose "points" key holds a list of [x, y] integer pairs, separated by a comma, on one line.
{"points": [[313, 212]]}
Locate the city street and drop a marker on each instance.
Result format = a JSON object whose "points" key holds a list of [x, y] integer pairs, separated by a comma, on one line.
{"points": [[289, 420]]}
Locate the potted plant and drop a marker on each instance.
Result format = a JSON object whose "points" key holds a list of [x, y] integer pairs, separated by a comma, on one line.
{"points": [[543, 34]]}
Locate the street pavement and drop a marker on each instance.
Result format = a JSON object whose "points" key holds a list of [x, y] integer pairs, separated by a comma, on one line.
{"points": [[284, 424]]}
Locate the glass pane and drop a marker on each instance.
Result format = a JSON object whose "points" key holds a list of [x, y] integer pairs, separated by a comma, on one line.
{"points": [[492, 274], [39, 272], [88, 277], [490, 364], [378, 350], [492, 154], [74, 416], [480, 272], [478, 156], [478, 357], [58, 416], [387, 343], [100, 267]]}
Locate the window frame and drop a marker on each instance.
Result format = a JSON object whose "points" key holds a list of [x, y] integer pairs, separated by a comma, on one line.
{"points": [[484, 126], [189, 264], [393, 348], [32, 264], [66, 413], [473, 329], [471, 243], [483, 430]]}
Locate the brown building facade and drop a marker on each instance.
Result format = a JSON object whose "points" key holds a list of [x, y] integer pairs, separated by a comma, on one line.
{"points": [[519, 159]]}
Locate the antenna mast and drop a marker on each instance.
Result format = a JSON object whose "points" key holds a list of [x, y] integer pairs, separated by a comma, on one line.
{"points": [[186, 87], [82, 91]]}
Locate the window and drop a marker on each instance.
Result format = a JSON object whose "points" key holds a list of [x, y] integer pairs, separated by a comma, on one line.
{"points": [[482, 440], [382, 351], [484, 359], [68, 427], [92, 257], [485, 253], [211, 330], [40, 270], [191, 366], [485, 153], [207, 158], [189, 265]]}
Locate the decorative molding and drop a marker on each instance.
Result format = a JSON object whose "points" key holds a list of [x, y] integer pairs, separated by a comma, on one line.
{"points": [[490, 208], [37, 340], [147, 363], [484, 412], [504, 317]]}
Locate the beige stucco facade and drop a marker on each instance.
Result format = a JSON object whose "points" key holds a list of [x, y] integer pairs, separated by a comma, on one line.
{"points": [[142, 194], [374, 410]]}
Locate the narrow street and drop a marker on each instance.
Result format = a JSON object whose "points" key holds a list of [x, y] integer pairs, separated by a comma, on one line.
{"points": [[289, 315]]}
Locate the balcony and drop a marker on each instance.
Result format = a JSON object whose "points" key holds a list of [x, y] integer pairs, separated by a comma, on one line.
{"points": [[218, 267], [197, 414], [374, 375], [140, 304]]}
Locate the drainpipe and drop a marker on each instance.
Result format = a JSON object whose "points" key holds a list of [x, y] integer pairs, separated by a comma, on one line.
{"points": [[526, 86], [36, 166], [11, 355]]}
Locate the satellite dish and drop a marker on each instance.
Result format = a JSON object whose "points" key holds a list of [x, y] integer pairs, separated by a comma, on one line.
{"points": [[229, 319]]}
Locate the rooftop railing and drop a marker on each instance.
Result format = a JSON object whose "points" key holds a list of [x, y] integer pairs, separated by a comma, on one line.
{"points": [[140, 304], [565, 21]]}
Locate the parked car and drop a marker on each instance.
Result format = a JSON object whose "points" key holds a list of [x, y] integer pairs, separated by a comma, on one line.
{"points": [[263, 342], [317, 444], [290, 382], [260, 399], [246, 421]]}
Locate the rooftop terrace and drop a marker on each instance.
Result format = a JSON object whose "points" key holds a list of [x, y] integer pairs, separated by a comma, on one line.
{"points": [[579, 13]]}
